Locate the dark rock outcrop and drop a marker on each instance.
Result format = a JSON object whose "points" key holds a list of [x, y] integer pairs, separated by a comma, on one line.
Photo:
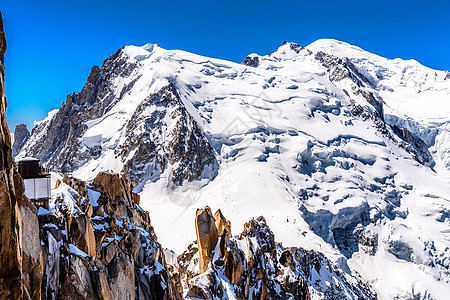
{"points": [[21, 135], [187, 149], [294, 47], [251, 61], [414, 145], [341, 68]]}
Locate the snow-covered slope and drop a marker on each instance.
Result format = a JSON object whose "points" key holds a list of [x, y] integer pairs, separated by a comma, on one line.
{"points": [[334, 146], [416, 97]]}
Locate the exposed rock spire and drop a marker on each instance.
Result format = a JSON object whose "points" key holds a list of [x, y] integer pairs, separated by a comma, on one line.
{"points": [[21, 135]]}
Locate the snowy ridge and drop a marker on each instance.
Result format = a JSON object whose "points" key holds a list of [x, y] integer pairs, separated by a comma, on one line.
{"points": [[307, 140], [410, 91]]}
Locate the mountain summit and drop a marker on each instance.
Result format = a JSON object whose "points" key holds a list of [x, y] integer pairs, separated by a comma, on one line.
{"points": [[341, 151]]}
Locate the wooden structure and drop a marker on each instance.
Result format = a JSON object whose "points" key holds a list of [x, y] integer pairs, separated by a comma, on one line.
{"points": [[37, 181]]}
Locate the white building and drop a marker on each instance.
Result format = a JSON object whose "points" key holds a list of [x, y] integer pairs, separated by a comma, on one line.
{"points": [[37, 181]]}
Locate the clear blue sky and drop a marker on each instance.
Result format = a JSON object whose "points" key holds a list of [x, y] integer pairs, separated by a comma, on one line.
{"points": [[53, 44]]}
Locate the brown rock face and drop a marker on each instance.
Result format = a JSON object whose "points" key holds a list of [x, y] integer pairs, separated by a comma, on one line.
{"points": [[119, 191], [21, 135], [32, 259], [101, 282], [234, 268], [76, 283], [2, 44], [205, 226], [20, 252], [110, 251], [11, 261], [82, 233], [222, 224], [111, 184], [257, 267]]}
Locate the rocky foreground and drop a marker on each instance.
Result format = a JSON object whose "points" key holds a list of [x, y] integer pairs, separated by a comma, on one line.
{"points": [[99, 244]]}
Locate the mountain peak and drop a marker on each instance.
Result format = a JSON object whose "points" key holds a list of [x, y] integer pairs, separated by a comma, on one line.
{"points": [[288, 50], [141, 52], [150, 47], [340, 49]]}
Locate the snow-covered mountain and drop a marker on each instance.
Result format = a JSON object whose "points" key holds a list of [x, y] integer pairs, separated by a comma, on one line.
{"points": [[342, 151]]}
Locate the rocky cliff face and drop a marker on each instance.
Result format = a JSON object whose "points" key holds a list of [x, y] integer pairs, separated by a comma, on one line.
{"points": [[159, 135], [21, 264], [59, 144], [254, 266], [21, 135], [145, 152], [99, 244]]}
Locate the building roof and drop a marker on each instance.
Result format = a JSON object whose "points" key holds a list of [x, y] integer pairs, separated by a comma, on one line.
{"points": [[24, 159]]}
